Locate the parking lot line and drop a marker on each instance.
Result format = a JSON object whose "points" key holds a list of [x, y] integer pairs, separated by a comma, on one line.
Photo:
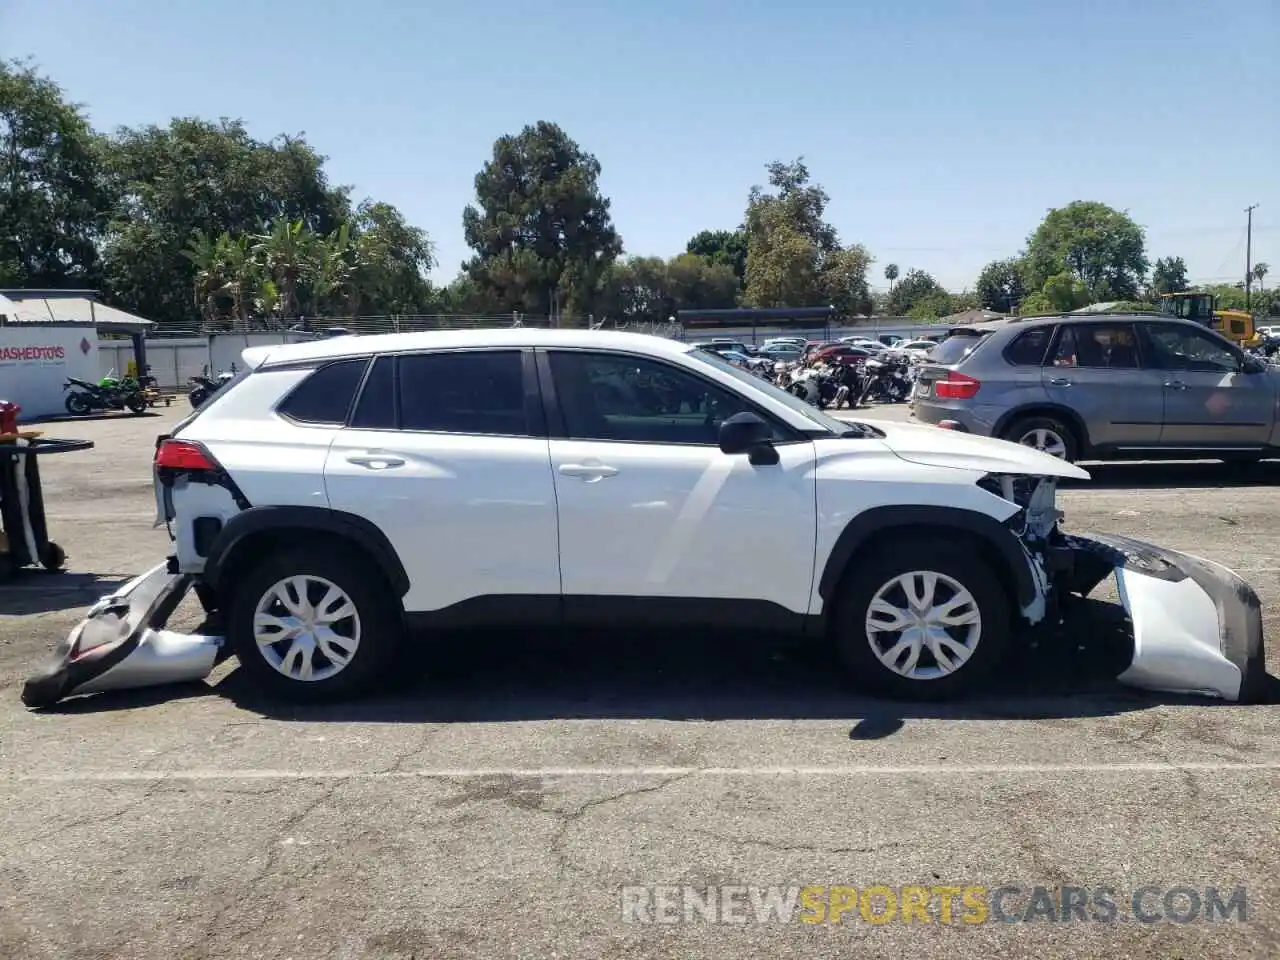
{"points": [[914, 770]]}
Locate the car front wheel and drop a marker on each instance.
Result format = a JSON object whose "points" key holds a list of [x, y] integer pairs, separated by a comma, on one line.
{"points": [[313, 625], [922, 620]]}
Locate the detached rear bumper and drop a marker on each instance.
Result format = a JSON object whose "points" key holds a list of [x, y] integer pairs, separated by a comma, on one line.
{"points": [[121, 644], [1197, 626]]}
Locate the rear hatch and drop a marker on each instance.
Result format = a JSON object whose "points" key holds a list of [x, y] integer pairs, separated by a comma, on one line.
{"points": [[944, 358]]}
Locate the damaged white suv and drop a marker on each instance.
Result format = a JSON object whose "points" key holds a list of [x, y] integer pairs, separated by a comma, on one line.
{"points": [[341, 497]]}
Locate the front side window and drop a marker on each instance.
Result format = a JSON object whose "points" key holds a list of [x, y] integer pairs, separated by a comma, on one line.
{"points": [[1097, 346], [1187, 348], [481, 392], [637, 400]]}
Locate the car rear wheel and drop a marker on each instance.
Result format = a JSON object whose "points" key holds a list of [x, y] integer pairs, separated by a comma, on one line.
{"points": [[1046, 434], [313, 625], [922, 620]]}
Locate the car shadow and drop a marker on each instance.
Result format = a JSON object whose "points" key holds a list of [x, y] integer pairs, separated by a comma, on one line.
{"points": [[496, 678], [1186, 474], [33, 591]]}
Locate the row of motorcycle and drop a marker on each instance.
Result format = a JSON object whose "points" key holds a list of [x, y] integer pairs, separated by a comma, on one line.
{"points": [[134, 394], [854, 384]]}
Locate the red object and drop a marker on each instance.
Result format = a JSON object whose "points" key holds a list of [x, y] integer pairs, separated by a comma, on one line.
{"points": [[183, 455], [9, 416], [957, 386]]}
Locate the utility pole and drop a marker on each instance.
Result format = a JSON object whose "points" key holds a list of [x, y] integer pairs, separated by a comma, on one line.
{"points": [[1248, 256]]}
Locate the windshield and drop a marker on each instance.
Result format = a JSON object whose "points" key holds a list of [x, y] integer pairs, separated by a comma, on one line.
{"points": [[808, 411]]}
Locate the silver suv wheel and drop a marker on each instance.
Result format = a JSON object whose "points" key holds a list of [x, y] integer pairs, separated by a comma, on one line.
{"points": [[1046, 440], [923, 625], [306, 628]]}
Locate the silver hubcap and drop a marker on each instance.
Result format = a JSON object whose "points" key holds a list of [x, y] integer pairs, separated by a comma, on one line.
{"points": [[923, 625], [307, 628], [1046, 441]]}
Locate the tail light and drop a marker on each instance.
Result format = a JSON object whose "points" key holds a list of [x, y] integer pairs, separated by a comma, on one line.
{"points": [[183, 455], [956, 386]]}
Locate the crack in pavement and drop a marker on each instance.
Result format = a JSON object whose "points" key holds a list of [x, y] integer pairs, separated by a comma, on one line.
{"points": [[569, 818]]}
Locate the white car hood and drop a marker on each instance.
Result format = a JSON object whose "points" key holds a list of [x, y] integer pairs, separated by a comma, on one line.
{"points": [[935, 447]]}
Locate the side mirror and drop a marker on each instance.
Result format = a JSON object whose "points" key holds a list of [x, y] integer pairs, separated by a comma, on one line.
{"points": [[748, 433]]}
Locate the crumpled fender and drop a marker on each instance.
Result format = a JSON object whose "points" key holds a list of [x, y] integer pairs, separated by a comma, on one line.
{"points": [[1197, 625], [121, 644]]}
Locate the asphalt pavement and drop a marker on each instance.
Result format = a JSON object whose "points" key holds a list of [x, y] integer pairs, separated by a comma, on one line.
{"points": [[512, 795]]}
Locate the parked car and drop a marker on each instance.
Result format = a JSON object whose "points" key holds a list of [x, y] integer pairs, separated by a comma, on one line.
{"points": [[1104, 387], [841, 353], [346, 487], [781, 351], [916, 349]]}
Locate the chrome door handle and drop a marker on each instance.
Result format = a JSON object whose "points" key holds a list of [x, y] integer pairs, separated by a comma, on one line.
{"points": [[590, 472], [376, 462], [1060, 382], [1175, 385]]}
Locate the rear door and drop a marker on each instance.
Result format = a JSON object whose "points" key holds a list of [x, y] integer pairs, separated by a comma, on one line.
{"points": [[447, 454], [1096, 369], [1209, 401]]}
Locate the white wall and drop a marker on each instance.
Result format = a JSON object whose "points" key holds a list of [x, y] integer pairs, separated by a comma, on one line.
{"points": [[35, 361], [173, 362]]}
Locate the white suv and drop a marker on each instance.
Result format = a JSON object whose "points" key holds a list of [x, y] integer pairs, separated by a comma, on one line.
{"points": [[339, 496]]}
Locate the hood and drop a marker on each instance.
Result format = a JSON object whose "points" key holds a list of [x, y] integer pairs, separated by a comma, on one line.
{"points": [[935, 447]]}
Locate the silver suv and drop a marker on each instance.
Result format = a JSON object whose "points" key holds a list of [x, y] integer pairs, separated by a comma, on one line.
{"points": [[1104, 387]]}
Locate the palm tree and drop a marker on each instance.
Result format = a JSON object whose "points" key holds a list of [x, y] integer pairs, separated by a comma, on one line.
{"points": [[285, 252], [1260, 270], [891, 273]]}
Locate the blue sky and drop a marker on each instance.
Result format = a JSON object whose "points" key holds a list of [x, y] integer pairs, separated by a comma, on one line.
{"points": [[943, 131]]}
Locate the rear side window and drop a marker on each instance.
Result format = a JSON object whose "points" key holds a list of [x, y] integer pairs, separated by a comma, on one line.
{"points": [[1097, 346], [1028, 348], [325, 397], [954, 349], [473, 393]]}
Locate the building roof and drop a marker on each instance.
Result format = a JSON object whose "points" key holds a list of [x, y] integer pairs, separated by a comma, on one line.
{"points": [[978, 315], [68, 307]]}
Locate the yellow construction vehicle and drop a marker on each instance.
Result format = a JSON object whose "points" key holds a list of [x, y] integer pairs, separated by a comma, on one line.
{"points": [[1235, 325]]}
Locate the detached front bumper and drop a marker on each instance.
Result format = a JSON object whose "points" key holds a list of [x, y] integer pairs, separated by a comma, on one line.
{"points": [[1197, 626], [121, 644]]}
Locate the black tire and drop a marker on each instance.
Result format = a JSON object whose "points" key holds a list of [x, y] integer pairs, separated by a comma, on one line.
{"points": [[52, 557], [137, 403], [197, 397], [77, 405], [381, 622], [1025, 425], [955, 559]]}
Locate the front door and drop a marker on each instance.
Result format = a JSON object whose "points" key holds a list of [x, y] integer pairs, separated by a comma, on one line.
{"points": [[1210, 402], [445, 455], [1095, 369], [651, 508]]}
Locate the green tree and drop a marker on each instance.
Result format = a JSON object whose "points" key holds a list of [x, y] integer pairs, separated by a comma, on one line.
{"points": [[540, 228], [910, 290], [722, 246], [651, 290], [388, 262], [1168, 275], [1035, 304], [54, 200], [1101, 247], [1260, 271], [1065, 291], [195, 175], [891, 273], [1000, 286], [794, 257]]}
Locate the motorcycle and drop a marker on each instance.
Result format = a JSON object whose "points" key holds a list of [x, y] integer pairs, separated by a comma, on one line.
{"points": [[886, 381], [85, 397], [816, 385], [205, 386]]}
